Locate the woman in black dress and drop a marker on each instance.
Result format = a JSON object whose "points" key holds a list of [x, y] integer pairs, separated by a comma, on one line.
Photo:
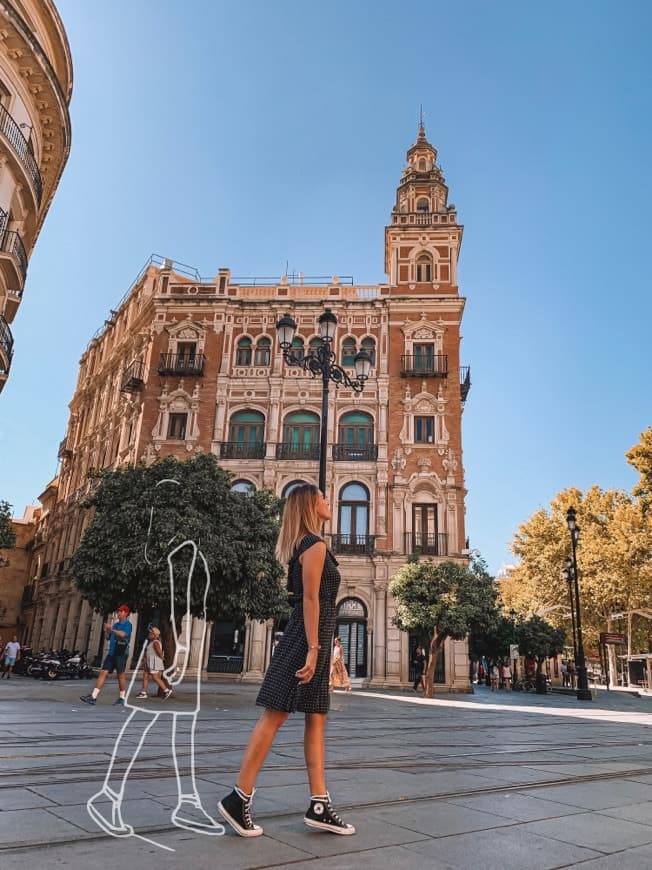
{"points": [[297, 678]]}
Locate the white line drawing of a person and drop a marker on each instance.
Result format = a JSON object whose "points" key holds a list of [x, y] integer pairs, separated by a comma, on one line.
{"points": [[105, 807]]}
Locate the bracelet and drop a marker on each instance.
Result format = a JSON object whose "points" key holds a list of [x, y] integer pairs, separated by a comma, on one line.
{"points": [[315, 646]]}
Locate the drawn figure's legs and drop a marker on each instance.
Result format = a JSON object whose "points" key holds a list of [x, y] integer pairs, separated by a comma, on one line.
{"points": [[105, 807], [189, 813]]}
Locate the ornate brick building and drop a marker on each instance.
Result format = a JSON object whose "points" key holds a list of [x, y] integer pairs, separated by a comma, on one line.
{"points": [[35, 91], [186, 364]]}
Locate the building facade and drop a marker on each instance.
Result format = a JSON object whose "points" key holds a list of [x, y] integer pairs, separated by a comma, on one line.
{"points": [[35, 91], [187, 365]]}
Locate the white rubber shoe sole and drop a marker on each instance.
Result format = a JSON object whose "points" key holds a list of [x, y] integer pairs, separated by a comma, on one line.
{"points": [[322, 826], [243, 832]]}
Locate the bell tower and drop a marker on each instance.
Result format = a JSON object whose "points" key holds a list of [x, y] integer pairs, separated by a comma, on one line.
{"points": [[423, 240]]}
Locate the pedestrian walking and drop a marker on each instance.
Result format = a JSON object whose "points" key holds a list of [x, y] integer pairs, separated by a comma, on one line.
{"points": [[571, 674], [339, 677], [297, 677], [507, 677], [419, 665], [154, 664], [495, 678], [11, 656], [118, 635]]}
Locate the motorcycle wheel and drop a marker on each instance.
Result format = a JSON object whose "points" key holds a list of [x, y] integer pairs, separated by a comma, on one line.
{"points": [[50, 674]]}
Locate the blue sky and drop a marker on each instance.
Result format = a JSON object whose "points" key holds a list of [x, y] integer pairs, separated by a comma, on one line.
{"points": [[248, 134]]}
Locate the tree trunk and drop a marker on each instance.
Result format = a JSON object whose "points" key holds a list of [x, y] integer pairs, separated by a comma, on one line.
{"points": [[435, 645], [542, 687], [167, 642]]}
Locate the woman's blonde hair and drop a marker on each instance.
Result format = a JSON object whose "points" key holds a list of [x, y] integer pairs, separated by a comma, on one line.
{"points": [[300, 518]]}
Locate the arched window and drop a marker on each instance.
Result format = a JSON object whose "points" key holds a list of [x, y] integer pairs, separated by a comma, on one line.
{"points": [[298, 347], [424, 268], [422, 165], [423, 204], [246, 436], [353, 519], [369, 344], [243, 352], [300, 436], [263, 351], [355, 437], [287, 489], [244, 486], [315, 344], [349, 350]]}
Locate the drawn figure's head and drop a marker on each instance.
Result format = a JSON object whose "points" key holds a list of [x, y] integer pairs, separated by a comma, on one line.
{"points": [[305, 510], [161, 532]]}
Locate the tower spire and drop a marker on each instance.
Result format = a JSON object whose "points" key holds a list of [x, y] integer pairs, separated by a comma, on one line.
{"points": [[422, 128]]}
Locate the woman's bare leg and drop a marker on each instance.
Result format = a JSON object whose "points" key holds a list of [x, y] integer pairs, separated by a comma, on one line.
{"points": [[314, 751], [259, 745]]}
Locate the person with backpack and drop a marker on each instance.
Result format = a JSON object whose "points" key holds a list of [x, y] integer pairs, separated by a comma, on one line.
{"points": [[118, 635]]}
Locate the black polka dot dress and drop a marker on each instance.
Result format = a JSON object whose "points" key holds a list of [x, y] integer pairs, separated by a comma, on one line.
{"points": [[280, 689]]}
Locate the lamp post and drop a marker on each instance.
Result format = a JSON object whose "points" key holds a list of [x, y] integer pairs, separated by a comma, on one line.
{"points": [[321, 361], [583, 691], [567, 574], [512, 616]]}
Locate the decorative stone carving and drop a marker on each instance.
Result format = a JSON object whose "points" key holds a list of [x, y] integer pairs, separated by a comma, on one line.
{"points": [[424, 462]]}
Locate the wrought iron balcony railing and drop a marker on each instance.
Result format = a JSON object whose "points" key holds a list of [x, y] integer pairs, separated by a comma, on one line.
{"points": [[435, 366], [355, 452], [297, 451], [433, 544], [133, 377], [242, 450], [12, 244], [356, 545], [6, 346], [188, 365], [22, 148], [465, 382]]}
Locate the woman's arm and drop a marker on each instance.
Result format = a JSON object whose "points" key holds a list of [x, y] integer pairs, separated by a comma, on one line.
{"points": [[312, 565]]}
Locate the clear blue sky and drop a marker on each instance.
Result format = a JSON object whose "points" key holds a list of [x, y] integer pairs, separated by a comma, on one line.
{"points": [[245, 134]]}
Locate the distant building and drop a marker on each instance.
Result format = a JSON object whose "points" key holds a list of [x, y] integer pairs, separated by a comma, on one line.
{"points": [[15, 592], [186, 365], [35, 90]]}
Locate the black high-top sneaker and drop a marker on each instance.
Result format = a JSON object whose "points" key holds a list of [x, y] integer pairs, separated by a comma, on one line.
{"points": [[321, 815], [235, 809]]}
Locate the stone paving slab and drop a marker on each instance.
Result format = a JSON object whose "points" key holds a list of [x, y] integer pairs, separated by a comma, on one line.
{"points": [[632, 812], [593, 831], [616, 793], [517, 805], [630, 859], [438, 818]]}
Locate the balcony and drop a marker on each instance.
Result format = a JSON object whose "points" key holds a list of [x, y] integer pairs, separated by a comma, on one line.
{"points": [[465, 382], [433, 544], [133, 377], [181, 364], [242, 450], [355, 452], [435, 366], [354, 545], [297, 451], [13, 260], [64, 451], [22, 149], [6, 350]]}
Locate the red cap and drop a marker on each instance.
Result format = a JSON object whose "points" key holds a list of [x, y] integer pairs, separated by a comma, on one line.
{"points": [[124, 607]]}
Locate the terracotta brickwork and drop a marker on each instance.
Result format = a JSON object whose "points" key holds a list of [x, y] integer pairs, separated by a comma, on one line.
{"points": [[186, 364]]}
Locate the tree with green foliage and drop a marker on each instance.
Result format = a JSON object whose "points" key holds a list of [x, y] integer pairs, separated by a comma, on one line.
{"points": [[7, 534], [492, 642], [138, 518], [539, 640], [445, 600]]}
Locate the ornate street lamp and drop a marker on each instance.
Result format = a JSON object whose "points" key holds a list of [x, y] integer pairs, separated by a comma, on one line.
{"points": [[321, 361], [567, 574], [583, 691]]}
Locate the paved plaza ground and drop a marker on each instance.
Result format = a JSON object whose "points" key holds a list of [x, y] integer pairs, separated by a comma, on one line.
{"points": [[489, 780]]}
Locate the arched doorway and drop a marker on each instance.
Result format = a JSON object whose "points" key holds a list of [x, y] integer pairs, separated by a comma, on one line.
{"points": [[351, 628]]}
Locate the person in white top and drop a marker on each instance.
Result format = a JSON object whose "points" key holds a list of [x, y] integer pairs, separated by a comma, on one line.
{"points": [[11, 653], [507, 677], [154, 663]]}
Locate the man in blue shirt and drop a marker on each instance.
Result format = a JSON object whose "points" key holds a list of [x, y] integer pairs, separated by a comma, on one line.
{"points": [[118, 635]]}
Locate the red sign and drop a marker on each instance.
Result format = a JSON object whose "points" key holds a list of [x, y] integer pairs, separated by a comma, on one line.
{"points": [[610, 637]]}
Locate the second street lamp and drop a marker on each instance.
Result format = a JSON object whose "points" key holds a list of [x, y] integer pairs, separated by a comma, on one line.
{"points": [[321, 361], [583, 691], [567, 574]]}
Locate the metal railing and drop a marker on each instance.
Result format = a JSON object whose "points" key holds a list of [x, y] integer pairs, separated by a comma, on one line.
{"points": [[433, 544], [6, 346], [22, 148], [292, 279], [356, 545], [465, 381], [424, 366], [11, 243], [355, 452], [242, 450], [297, 451], [189, 365], [133, 377]]}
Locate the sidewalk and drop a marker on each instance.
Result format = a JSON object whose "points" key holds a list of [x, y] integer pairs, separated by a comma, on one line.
{"points": [[490, 780]]}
